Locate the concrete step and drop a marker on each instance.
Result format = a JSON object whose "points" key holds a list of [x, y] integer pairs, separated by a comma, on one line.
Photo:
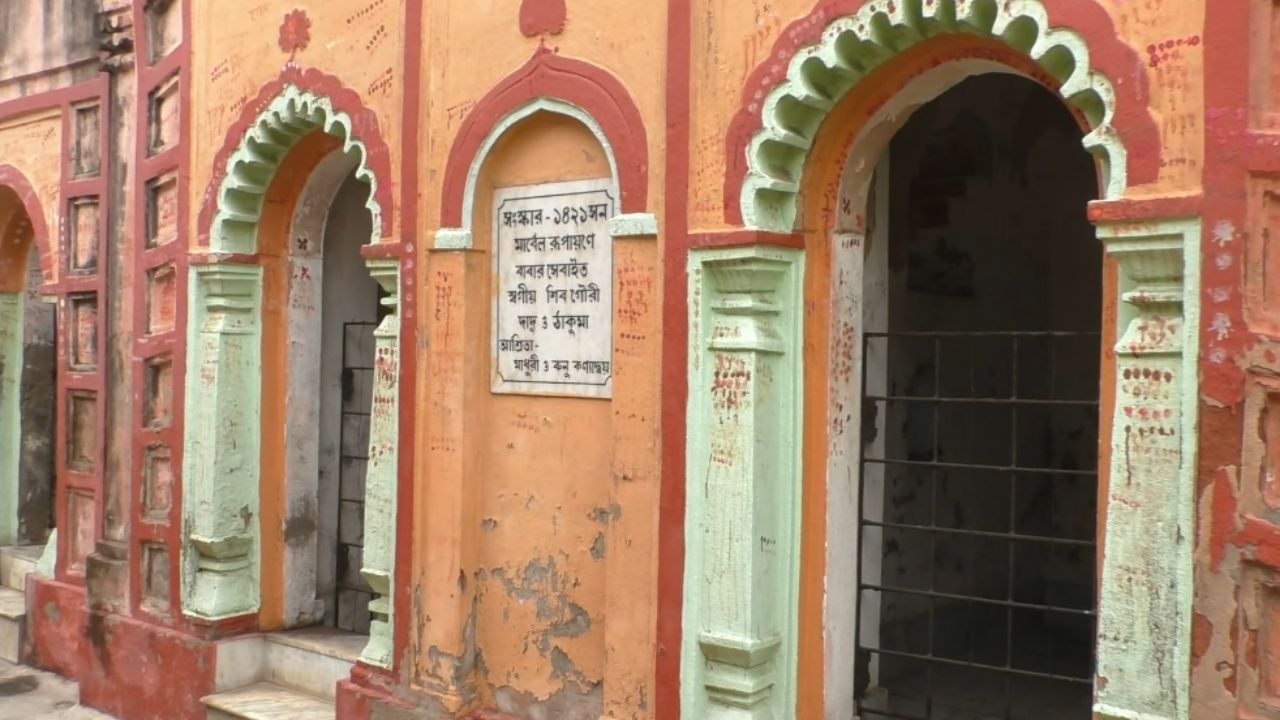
{"points": [[311, 660], [16, 562], [13, 623], [266, 701]]}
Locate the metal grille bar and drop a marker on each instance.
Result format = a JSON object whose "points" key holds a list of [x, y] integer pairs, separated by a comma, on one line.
{"points": [[980, 466], [979, 533]]}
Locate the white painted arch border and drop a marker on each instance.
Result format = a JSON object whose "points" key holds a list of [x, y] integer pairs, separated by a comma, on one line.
{"points": [[250, 169], [851, 48], [461, 238]]}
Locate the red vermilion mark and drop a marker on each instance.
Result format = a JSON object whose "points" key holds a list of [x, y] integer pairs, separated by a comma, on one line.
{"points": [[539, 17], [295, 32]]}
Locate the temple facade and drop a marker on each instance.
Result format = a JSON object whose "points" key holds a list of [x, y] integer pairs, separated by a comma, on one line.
{"points": [[725, 359]]}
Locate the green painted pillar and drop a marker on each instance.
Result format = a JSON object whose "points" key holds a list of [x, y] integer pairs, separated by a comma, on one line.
{"points": [[743, 484], [1144, 624], [380, 477], [10, 422], [221, 461]]}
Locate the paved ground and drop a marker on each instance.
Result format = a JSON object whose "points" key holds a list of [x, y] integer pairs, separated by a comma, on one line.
{"points": [[29, 694]]}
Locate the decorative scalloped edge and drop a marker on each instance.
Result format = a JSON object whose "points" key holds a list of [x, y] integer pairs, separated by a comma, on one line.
{"points": [[290, 115], [852, 47]]}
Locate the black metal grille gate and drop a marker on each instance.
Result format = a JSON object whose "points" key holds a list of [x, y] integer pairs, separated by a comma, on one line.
{"points": [[975, 591], [352, 593]]}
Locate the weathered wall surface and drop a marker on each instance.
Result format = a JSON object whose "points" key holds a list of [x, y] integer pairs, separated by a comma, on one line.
{"points": [[47, 45], [537, 615], [543, 475], [1235, 640], [516, 532]]}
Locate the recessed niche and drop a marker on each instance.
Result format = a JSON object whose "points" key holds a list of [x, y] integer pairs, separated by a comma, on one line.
{"points": [[82, 430], [157, 488], [1258, 620], [155, 577], [162, 211], [1264, 72], [157, 406], [82, 531], [86, 154], [84, 227], [161, 295], [162, 117], [164, 27], [83, 330]]}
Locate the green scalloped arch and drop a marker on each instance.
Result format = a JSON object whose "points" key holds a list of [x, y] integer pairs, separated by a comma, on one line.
{"points": [[853, 46], [291, 115]]}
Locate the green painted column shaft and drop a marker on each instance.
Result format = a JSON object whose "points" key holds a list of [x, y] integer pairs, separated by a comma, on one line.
{"points": [[1144, 625], [221, 461], [380, 477], [10, 422], [743, 488]]}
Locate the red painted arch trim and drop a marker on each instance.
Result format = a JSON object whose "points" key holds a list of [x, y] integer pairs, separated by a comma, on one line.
{"points": [[548, 75], [364, 127], [12, 178], [1108, 55]]}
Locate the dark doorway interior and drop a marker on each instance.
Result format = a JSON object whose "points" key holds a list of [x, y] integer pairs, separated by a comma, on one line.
{"points": [[981, 403], [36, 403]]}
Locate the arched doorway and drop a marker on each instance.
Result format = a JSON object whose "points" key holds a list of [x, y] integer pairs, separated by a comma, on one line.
{"points": [[321, 308], [318, 360], [801, 157], [285, 462], [27, 381], [980, 325]]}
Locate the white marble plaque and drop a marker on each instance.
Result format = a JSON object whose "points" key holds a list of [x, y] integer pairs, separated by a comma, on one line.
{"points": [[553, 314]]}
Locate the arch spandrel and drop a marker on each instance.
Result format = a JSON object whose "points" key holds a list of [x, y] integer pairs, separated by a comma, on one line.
{"points": [[293, 114], [295, 104], [852, 47]]}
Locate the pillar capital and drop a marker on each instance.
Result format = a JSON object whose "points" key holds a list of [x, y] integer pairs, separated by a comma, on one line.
{"points": [[1151, 258]]}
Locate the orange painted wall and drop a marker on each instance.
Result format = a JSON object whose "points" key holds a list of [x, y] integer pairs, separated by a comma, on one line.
{"points": [[541, 475], [540, 468]]}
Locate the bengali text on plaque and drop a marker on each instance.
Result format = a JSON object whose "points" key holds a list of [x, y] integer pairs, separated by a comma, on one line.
{"points": [[553, 314]]}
